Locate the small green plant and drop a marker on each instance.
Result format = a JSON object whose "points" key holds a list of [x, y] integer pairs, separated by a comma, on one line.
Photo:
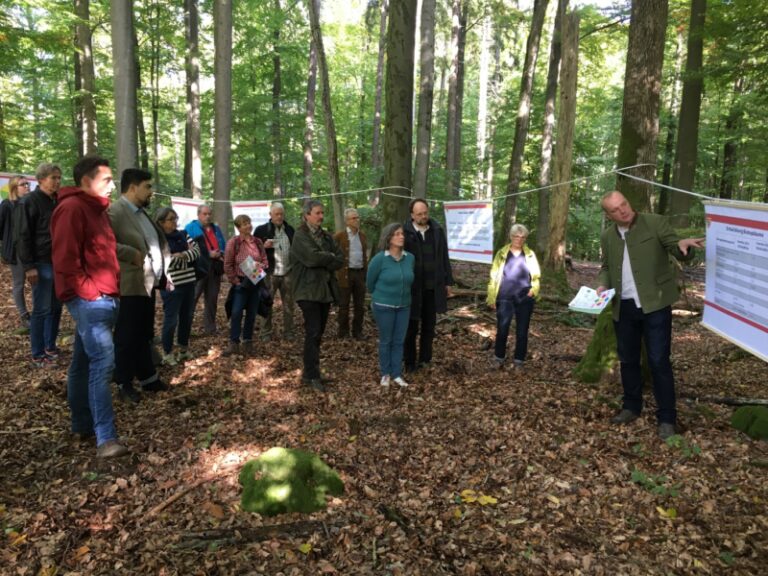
{"points": [[687, 449], [205, 439], [752, 420], [655, 483], [638, 450], [726, 558]]}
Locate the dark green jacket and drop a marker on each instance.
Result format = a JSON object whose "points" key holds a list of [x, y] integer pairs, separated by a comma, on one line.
{"points": [[651, 242], [313, 266]]}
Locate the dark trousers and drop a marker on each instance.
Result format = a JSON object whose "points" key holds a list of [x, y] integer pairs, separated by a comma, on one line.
{"points": [[178, 308], [422, 326], [245, 302], [315, 319], [356, 293], [656, 329], [133, 340], [506, 310], [208, 287]]}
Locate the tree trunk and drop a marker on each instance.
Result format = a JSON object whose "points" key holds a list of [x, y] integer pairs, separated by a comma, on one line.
{"points": [[3, 141], [330, 127], [193, 164], [455, 94], [555, 254], [495, 98], [642, 91], [376, 156], [222, 72], [398, 127], [142, 133], [730, 150], [550, 101], [309, 120], [426, 97], [482, 106], [693, 84], [277, 150], [669, 143], [124, 67], [86, 107], [523, 117]]}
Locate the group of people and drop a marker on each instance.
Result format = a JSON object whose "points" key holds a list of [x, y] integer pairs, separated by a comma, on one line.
{"points": [[106, 261]]}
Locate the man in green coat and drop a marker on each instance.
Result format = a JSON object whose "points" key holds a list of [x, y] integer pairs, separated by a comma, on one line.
{"points": [[314, 259], [636, 263]]}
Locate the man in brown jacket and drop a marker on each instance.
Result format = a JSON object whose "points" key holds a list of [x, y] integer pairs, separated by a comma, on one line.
{"points": [[352, 276]]}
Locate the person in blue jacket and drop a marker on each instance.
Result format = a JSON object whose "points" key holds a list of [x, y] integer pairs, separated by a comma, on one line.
{"points": [[389, 280]]}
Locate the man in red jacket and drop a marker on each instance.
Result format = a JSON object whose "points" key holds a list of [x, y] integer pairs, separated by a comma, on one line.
{"points": [[86, 272]]}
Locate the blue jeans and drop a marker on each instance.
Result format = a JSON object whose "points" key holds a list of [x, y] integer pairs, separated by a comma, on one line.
{"points": [[178, 308], [245, 300], [392, 324], [90, 373], [656, 330], [505, 311], [46, 312]]}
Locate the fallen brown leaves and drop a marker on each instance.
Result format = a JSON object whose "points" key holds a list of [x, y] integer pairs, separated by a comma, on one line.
{"points": [[468, 471]]}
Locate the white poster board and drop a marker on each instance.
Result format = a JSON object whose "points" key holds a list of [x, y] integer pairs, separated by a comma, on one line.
{"points": [[469, 226], [258, 210], [186, 209], [736, 297]]}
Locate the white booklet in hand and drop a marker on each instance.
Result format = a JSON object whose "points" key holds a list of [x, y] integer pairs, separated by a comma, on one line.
{"points": [[252, 270], [589, 301]]}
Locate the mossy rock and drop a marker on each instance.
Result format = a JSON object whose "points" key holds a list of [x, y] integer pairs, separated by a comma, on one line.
{"points": [[752, 420], [286, 480]]}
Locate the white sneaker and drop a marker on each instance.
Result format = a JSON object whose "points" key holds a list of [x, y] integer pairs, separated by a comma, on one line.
{"points": [[184, 354], [385, 381], [169, 359], [400, 382]]}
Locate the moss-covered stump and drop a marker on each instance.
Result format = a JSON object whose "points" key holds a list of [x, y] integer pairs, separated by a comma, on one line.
{"points": [[286, 480], [752, 420], [601, 352]]}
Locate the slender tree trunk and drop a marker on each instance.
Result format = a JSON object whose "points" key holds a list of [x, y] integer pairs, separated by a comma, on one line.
{"points": [[495, 99], [550, 101], [3, 140], [455, 92], [330, 126], [222, 71], [426, 97], [193, 163], [555, 254], [86, 106], [277, 150], [669, 143], [142, 134], [124, 67], [155, 95], [482, 105], [376, 156], [642, 96], [523, 115], [730, 150], [398, 128], [309, 120]]}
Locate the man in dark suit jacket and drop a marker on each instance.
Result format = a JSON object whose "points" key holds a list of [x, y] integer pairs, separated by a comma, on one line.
{"points": [[352, 276], [142, 252]]}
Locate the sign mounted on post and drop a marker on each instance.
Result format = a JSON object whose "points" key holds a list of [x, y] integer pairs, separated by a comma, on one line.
{"points": [[258, 211], [736, 297], [469, 226]]}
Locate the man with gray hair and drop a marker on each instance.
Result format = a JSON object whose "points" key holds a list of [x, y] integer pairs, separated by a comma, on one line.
{"points": [[32, 220], [208, 234], [277, 236], [352, 275]]}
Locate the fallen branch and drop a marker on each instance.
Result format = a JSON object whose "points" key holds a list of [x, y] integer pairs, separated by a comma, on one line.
{"points": [[26, 431], [302, 528], [729, 401]]}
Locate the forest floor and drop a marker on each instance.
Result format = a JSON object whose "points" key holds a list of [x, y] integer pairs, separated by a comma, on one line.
{"points": [[468, 471]]}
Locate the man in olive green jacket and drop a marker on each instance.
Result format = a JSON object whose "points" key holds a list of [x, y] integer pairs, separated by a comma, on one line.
{"points": [[637, 251]]}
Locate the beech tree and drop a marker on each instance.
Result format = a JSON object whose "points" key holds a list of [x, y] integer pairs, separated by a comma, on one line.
{"points": [[376, 156], [124, 65], [85, 80], [309, 119], [426, 97], [222, 70], [193, 169]]}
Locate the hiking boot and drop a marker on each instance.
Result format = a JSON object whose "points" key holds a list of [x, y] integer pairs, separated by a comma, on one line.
{"points": [[666, 430], [232, 349], [496, 363], [129, 393], [155, 386], [625, 417], [247, 347], [314, 383], [111, 449]]}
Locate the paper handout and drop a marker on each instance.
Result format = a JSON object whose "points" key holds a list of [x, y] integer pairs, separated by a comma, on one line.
{"points": [[589, 301], [252, 270]]}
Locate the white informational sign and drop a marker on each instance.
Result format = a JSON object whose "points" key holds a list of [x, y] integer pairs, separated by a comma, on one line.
{"points": [[6, 176], [469, 226], [736, 297], [186, 209], [258, 210]]}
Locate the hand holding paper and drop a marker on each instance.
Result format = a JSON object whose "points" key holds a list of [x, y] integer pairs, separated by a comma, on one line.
{"points": [[591, 302]]}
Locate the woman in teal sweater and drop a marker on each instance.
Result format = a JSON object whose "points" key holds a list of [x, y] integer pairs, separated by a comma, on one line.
{"points": [[389, 279]]}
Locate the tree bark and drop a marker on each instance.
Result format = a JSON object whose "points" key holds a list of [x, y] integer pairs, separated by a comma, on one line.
{"points": [[142, 134], [731, 147], [376, 156], [642, 96], [309, 120], [669, 143], [222, 71], [684, 172], [455, 95], [523, 117], [193, 164], [550, 101], [398, 127], [277, 150], [330, 126], [3, 141], [555, 254], [124, 67], [482, 105], [426, 97], [85, 105]]}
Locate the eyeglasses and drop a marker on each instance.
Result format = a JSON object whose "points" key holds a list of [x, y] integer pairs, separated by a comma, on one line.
{"points": [[23, 184], [172, 219]]}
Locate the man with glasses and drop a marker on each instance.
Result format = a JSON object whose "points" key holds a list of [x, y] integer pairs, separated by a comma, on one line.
{"points": [[352, 276]]}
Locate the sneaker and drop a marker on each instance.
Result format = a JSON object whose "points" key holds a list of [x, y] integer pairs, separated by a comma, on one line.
{"points": [[129, 393], [496, 363], [385, 380], [111, 449], [314, 383], [169, 359], [232, 349], [625, 417], [247, 347], [400, 382], [43, 361], [666, 430], [155, 386], [52, 353], [184, 354]]}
